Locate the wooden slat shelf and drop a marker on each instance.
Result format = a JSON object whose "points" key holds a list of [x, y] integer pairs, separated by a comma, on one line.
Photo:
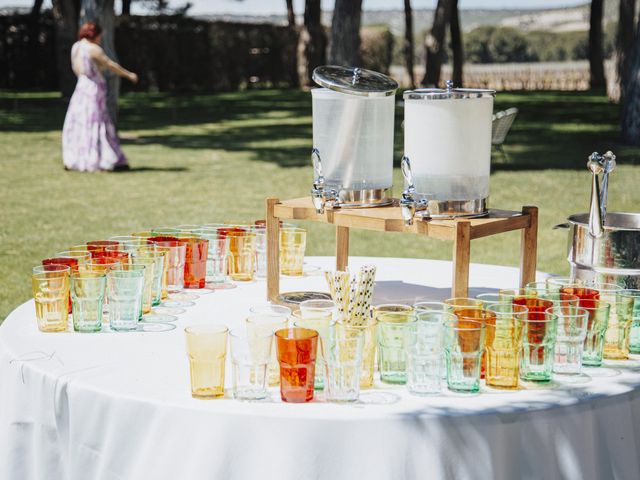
{"points": [[389, 219]]}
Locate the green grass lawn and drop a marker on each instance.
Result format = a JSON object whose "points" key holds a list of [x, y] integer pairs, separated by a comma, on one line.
{"points": [[212, 158]]}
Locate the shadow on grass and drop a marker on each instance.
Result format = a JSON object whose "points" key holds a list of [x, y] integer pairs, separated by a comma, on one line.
{"points": [[151, 169]]}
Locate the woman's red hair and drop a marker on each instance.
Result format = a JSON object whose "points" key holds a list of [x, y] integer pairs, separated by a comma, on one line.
{"points": [[90, 31]]}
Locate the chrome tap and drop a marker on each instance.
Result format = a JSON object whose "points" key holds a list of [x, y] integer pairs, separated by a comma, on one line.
{"points": [[322, 197], [408, 204]]}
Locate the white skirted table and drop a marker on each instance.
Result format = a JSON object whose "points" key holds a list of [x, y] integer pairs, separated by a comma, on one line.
{"points": [[118, 406]]}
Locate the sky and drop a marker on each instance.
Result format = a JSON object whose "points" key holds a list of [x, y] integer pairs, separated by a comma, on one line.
{"points": [[263, 7]]}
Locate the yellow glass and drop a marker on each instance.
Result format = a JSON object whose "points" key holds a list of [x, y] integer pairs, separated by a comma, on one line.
{"points": [[259, 324], [368, 333], [164, 294], [242, 256], [144, 235], [207, 350], [616, 339], [149, 263], [293, 243], [50, 284], [504, 326]]}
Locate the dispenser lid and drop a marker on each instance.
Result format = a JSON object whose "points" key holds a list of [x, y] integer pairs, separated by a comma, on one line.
{"points": [[355, 81], [447, 93]]}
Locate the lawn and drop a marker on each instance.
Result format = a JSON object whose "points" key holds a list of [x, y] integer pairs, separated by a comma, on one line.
{"points": [[211, 158]]}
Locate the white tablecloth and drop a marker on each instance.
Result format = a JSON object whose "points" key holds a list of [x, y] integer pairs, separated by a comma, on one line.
{"points": [[118, 406]]}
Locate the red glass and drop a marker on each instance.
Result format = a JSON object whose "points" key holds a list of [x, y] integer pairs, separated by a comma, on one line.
{"points": [[297, 349], [99, 246], [162, 238], [587, 296], [72, 263], [467, 319], [195, 266], [537, 324], [113, 252]]}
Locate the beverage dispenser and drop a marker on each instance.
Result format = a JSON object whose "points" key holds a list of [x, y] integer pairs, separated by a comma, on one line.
{"points": [[352, 155]]}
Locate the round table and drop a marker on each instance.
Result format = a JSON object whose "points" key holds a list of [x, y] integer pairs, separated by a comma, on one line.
{"points": [[118, 406]]}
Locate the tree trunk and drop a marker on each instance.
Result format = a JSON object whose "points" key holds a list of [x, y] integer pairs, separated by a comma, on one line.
{"points": [[312, 48], [631, 99], [126, 7], [345, 33], [35, 10], [596, 57], [291, 16], [624, 45], [101, 11], [456, 45], [408, 42], [65, 17], [434, 44]]}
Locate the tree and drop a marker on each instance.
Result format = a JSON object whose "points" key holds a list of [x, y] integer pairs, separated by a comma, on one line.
{"points": [[126, 7], [631, 98], [101, 11], [623, 47], [312, 48], [434, 44], [596, 56], [408, 48], [65, 17], [456, 44], [345, 33], [291, 16]]}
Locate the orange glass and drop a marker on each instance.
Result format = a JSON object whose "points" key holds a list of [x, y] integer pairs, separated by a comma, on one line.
{"points": [[297, 348], [72, 263], [101, 264], [587, 296], [99, 246], [114, 252], [468, 317], [195, 266]]}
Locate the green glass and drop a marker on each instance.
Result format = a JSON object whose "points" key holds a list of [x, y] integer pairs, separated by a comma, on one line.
{"points": [[488, 298], [594, 342], [158, 271], [392, 334], [538, 346], [322, 324], [463, 347], [87, 294], [634, 331], [124, 291], [536, 288], [616, 340]]}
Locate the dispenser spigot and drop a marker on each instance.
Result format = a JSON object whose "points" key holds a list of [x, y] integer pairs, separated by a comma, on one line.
{"points": [[322, 197], [408, 204]]}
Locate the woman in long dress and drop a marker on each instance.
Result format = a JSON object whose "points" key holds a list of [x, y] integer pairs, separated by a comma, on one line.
{"points": [[89, 139]]}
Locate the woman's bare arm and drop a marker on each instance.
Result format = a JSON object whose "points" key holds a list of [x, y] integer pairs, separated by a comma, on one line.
{"points": [[101, 58]]}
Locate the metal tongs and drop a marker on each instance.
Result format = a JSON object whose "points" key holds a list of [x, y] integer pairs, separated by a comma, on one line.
{"points": [[597, 164]]}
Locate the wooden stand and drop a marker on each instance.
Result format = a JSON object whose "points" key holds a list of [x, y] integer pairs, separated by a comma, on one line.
{"points": [[388, 219]]}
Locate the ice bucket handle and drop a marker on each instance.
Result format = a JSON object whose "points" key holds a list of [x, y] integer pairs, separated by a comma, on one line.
{"points": [[597, 164]]}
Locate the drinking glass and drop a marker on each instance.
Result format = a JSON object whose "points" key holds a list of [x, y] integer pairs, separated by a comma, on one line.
{"points": [[164, 278], [149, 264], [488, 298], [70, 262], [430, 306], [570, 336], [477, 314], [537, 288], [598, 313], [124, 291], [249, 357], [568, 302], [343, 354], [100, 264], [81, 256], [370, 342], [539, 340], [217, 254], [293, 242], [87, 293], [195, 267], [461, 303], [556, 284], [242, 255], [207, 350], [50, 285], [393, 328], [503, 344], [508, 294], [267, 319], [424, 352], [317, 308], [175, 261], [261, 250], [116, 252], [321, 323], [296, 349], [634, 332], [616, 339], [98, 246], [463, 347], [164, 231]]}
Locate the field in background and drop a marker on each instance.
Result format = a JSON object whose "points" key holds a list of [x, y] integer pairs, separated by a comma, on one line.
{"points": [[212, 158]]}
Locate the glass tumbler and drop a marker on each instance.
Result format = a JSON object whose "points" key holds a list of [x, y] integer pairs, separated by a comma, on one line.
{"points": [[393, 329], [195, 267], [242, 255], [570, 337], [634, 331], [250, 356], [343, 361], [50, 285], [616, 338], [463, 347], [369, 345], [175, 260], [321, 322], [503, 344], [87, 293], [217, 255], [296, 350], [293, 242], [598, 313], [267, 319], [70, 262], [149, 264], [539, 340], [261, 250], [124, 291], [206, 350]]}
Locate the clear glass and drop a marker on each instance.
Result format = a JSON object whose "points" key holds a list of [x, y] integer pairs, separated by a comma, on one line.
{"points": [[317, 308], [537, 288], [569, 303], [429, 306], [463, 347], [249, 358], [461, 303], [175, 260], [124, 291], [555, 284], [87, 294], [261, 250], [538, 346], [392, 334], [571, 334], [368, 333], [634, 331], [598, 312], [267, 319], [207, 350], [503, 344], [216, 256], [424, 352], [50, 284], [322, 324], [488, 298], [343, 356]]}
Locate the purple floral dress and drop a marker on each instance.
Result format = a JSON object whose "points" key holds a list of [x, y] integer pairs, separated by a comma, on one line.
{"points": [[89, 139]]}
